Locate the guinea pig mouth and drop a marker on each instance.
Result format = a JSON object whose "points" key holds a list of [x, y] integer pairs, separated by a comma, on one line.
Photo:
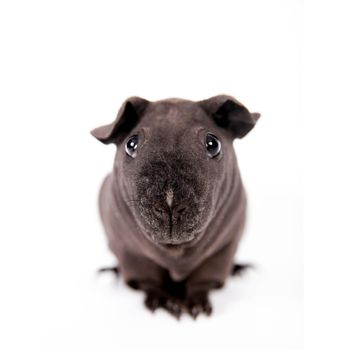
{"points": [[170, 242], [168, 229], [169, 235], [173, 243]]}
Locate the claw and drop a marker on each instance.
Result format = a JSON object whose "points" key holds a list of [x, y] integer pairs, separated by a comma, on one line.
{"points": [[207, 308], [195, 311], [199, 304], [114, 269], [173, 307]]}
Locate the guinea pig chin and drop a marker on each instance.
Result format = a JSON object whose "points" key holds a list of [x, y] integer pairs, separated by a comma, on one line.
{"points": [[172, 205]]}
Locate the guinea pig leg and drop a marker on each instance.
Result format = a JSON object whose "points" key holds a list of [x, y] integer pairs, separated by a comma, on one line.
{"points": [[143, 274], [211, 274]]}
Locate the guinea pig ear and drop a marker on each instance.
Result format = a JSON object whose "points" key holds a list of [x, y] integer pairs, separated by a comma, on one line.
{"points": [[230, 114], [128, 116]]}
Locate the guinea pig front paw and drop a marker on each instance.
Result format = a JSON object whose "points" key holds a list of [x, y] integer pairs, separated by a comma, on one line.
{"points": [[156, 300], [199, 303]]}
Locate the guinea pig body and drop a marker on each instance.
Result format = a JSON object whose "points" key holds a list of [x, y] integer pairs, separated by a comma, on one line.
{"points": [[174, 206]]}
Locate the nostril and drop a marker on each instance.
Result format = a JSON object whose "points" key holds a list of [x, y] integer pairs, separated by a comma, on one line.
{"points": [[159, 211], [181, 210]]}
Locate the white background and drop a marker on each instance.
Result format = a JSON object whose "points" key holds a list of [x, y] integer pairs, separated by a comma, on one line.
{"points": [[66, 67]]}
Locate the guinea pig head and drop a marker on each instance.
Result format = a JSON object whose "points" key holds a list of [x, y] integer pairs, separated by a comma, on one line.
{"points": [[173, 158]]}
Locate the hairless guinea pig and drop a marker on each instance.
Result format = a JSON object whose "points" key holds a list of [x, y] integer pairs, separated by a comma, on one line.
{"points": [[174, 207]]}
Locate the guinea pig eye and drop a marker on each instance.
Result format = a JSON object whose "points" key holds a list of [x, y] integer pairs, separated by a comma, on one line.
{"points": [[131, 146], [213, 145]]}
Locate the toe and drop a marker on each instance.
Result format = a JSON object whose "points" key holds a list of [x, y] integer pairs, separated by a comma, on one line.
{"points": [[195, 310], [152, 302], [173, 307], [207, 308], [199, 304]]}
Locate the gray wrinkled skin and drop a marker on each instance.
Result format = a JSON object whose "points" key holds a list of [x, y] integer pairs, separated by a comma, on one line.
{"points": [[172, 210]]}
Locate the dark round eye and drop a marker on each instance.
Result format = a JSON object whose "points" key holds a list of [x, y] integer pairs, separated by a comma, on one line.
{"points": [[213, 145], [131, 146]]}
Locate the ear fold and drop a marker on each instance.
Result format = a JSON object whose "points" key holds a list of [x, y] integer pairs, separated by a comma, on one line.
{"points": [[230, 114], [128, 116]]}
